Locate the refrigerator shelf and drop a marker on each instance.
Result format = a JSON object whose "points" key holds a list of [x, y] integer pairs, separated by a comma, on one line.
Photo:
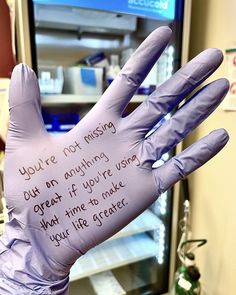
{"points": [[147, 221], [64, 99], [148, 261], [113, 254], [1, 223], [1, 228]]}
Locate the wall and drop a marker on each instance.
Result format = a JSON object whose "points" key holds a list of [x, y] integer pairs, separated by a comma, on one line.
{"points": [[213, 187], [6, 55]]}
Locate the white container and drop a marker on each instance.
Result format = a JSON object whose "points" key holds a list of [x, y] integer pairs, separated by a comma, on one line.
{"points": [[83, 80], [50, 79]]}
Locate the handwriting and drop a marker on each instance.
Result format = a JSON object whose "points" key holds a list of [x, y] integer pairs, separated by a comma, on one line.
{"points": [[51, 183], [93, 201], [115, 187], [72, 212], [40, 208], [126, 162], [86, 201], [45, 224], [33, 193], [59, 236], [108, 212], [72, 148], [89, 184], [28, 172], [99, 131], [72, 190], [85, 164], [80, 223]]}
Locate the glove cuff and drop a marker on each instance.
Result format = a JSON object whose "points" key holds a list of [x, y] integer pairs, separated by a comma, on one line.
{"points": [[11, 287], [21, 271]]}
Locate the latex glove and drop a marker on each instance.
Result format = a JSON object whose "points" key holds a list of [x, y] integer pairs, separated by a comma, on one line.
{"points": [[67, 194]]}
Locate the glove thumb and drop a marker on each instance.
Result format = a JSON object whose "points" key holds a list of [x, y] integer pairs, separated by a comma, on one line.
{"points": [[26, 120]]}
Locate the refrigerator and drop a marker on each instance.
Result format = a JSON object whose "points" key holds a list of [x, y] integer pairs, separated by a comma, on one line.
{"points": [[77, 47]]}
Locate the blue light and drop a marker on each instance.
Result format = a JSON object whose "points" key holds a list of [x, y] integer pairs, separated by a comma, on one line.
{"points": [[155, 9]]}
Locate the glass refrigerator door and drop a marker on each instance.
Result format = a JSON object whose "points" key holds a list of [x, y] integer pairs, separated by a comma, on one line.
{"points": [[69, 36]]}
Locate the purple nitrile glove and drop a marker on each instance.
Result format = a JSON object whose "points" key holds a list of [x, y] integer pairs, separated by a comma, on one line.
{"points": [[69, 193]]}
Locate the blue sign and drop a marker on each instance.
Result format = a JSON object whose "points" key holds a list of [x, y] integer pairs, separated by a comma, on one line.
{"points": [[155, 9]]}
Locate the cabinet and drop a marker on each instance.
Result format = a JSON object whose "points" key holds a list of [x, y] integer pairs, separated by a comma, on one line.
{"points": [[139, 259]]}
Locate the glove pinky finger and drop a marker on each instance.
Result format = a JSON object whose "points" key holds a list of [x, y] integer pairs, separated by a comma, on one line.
{"points": [[190, 159]]}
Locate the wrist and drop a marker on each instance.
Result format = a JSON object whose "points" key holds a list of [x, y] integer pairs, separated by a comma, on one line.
{"points": [[22, 267]]}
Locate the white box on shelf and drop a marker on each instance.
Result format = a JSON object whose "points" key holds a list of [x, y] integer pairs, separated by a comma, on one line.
{"points": [[83, 80]]}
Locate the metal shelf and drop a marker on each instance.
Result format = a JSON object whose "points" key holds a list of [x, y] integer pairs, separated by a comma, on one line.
{"points": [[113, 254], [147, 221], [129, 245]]}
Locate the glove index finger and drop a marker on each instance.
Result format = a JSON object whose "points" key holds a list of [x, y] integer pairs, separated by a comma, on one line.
{"points": [[119, 93], [23, 86], [24, 105]]}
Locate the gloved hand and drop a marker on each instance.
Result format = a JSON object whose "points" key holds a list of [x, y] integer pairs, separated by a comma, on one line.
{"points": [[69, 193]]}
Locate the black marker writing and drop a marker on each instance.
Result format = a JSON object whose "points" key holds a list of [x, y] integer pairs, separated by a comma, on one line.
{"points": [[127, 161], [85, 164], [59, 236], [40, 208], [92, 182], [80, 223], [33, 193], [72, 148], [99, 131], [114, 208], [45, 224], [73, 211], [115, 187], [29, 171]]}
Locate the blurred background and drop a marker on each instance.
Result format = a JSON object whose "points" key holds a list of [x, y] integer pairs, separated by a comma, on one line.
{"points": [[77, 49]]}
